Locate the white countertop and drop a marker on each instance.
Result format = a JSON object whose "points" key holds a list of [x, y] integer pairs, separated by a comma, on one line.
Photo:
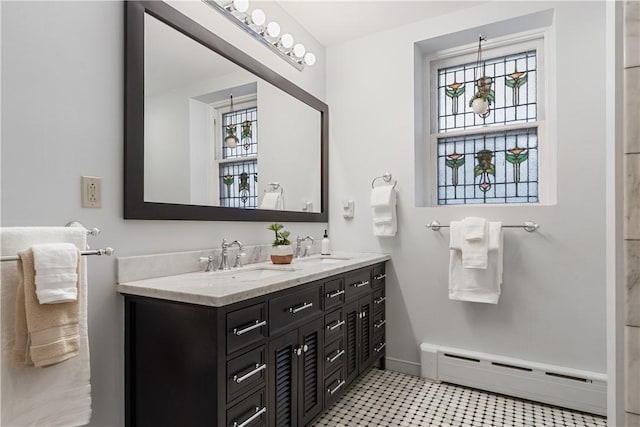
{"points": [[221, 288]]}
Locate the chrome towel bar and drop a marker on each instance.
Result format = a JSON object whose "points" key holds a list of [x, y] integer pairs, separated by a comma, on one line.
{"points": [[529, 226]]}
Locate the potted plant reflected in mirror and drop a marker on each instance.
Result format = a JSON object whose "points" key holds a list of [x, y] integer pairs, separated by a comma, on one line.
{"points": [[281, 250]]}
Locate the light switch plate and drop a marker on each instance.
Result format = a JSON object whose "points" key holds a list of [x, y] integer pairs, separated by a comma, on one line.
{"points": [[91, 192]]}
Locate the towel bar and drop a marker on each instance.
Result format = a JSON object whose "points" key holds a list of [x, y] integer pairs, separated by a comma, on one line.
{"points": [[529, 226], [106, 251]]}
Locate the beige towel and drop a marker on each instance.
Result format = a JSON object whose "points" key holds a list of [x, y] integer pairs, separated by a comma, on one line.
{"points": [[46, 334]]}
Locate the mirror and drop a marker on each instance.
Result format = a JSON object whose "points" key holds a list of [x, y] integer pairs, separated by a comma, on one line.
{"points": [[211, 134]]}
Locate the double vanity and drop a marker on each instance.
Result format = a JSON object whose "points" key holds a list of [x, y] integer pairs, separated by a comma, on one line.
{"points": [[254, 346]]}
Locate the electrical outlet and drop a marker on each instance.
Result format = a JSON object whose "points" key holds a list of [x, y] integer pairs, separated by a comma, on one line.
{"points": [[91, 192]]}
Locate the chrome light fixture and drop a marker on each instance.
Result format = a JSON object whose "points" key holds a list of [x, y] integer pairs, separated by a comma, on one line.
{"points": [[253, 21], [483, 97]]}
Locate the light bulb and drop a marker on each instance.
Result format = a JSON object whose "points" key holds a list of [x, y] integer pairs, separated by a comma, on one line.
{"points": [[231, 141], [299, 50], [241, 5], [480, 106], [309, 58], [258, 17], [286, 41], [273, 29]]}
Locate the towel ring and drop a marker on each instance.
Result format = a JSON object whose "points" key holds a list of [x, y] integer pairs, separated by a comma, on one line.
{"points": [[275, 186], [386, 177]]}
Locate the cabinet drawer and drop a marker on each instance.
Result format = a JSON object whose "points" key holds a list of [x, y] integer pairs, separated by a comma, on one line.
{"points": [[379, 345], [246, 326], [294, 308], [333, 356], [378, 276], [378, 323], [246, 372], [251, 411], [333, 325], [379, 298], [334, 387], [357, 284], [333, 293]]}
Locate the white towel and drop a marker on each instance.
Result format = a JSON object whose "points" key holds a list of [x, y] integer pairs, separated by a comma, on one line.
{"points": [[56, 278], [383, 202], [58, 395], [473, 284], [271, 201], [475, 242]]}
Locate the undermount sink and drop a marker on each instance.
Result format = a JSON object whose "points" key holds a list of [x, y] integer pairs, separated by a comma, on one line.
{"points": [[256, 273], [323, 260]]}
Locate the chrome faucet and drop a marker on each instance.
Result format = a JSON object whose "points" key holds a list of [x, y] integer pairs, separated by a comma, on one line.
{"points": [[238, 262], [299, 241], [224, 258]]}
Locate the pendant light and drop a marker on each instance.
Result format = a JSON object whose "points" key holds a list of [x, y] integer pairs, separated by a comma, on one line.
{"points": [[231, 139], [482, 99]]}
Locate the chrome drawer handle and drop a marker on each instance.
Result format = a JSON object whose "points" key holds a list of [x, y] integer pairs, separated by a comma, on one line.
{"points": [[380, 324], [362, 315], [333, 391], [256, 325], [379, 349], [380, 277], [251, 418], [335, 294], [380, 300], [335, 326], [361, 284], [258, 368], [332, 359], [298, 309]]}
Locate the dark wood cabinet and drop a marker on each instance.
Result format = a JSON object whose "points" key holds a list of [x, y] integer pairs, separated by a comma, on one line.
{"points": [[276, 360]]}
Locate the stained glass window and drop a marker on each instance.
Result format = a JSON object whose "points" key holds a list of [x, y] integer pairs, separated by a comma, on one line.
{"points": [[490, 158], [496, 167], [239, 166], [513, 92]]}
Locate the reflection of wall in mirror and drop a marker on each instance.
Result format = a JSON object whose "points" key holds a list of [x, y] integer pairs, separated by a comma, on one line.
{"points": [[289, 147]]}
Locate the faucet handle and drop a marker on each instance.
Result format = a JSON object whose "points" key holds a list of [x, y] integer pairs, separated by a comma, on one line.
{"points": [[239, 257]]}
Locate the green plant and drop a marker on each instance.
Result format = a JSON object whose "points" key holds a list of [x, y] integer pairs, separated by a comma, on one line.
{"points": [[281, 236]]}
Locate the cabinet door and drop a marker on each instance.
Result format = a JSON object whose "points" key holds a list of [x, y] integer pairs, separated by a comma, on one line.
{"points": [[351, 340], [311, 372], [365, 332], [283, 376]]}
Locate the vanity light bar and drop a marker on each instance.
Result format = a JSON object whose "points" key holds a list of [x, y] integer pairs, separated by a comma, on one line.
{"points": [[255, 23]]}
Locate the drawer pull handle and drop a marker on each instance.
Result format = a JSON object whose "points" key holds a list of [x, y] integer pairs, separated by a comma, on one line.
{"points": [[257, 324], [249, 374], [380, 300], [332, 359], [379, 277], [253, 417], [382, 346], [299, 308], [362, 315], [335, 326], [360, 284], [335, 294], [380, 324], [334, 390]]}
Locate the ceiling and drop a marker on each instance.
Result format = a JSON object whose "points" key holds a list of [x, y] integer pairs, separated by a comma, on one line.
{"points": [[337, 21]]}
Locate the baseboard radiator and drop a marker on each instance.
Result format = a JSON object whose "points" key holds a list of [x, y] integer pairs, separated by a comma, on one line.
{"points": [[570, 388]]}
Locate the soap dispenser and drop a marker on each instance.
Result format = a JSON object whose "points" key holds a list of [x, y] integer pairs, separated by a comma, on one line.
{"points": [[326, 245]]}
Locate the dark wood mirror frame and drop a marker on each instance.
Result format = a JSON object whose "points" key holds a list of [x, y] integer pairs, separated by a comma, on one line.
{"points": [[135, 207]]}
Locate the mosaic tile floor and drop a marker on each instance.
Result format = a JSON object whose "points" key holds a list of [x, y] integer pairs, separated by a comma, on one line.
{"points": [[386, 398]]}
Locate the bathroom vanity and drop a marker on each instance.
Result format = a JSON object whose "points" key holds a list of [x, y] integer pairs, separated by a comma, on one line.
{"points": [[256, 346]]}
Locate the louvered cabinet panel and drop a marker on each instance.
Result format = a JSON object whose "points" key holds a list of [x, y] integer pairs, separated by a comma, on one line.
{"points": [[366, 332], [283, 380], [311, 372], [351, 341]]}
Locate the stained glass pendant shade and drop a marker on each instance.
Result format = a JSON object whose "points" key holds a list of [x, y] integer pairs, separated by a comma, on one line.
{"points": [[231, 139]]}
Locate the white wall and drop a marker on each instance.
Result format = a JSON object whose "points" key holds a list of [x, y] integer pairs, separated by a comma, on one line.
{"points": [[62, 117], [552, 307]]}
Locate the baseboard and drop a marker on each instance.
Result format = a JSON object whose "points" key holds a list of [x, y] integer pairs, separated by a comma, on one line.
{"points": [[403, 366], [566, 387]]}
